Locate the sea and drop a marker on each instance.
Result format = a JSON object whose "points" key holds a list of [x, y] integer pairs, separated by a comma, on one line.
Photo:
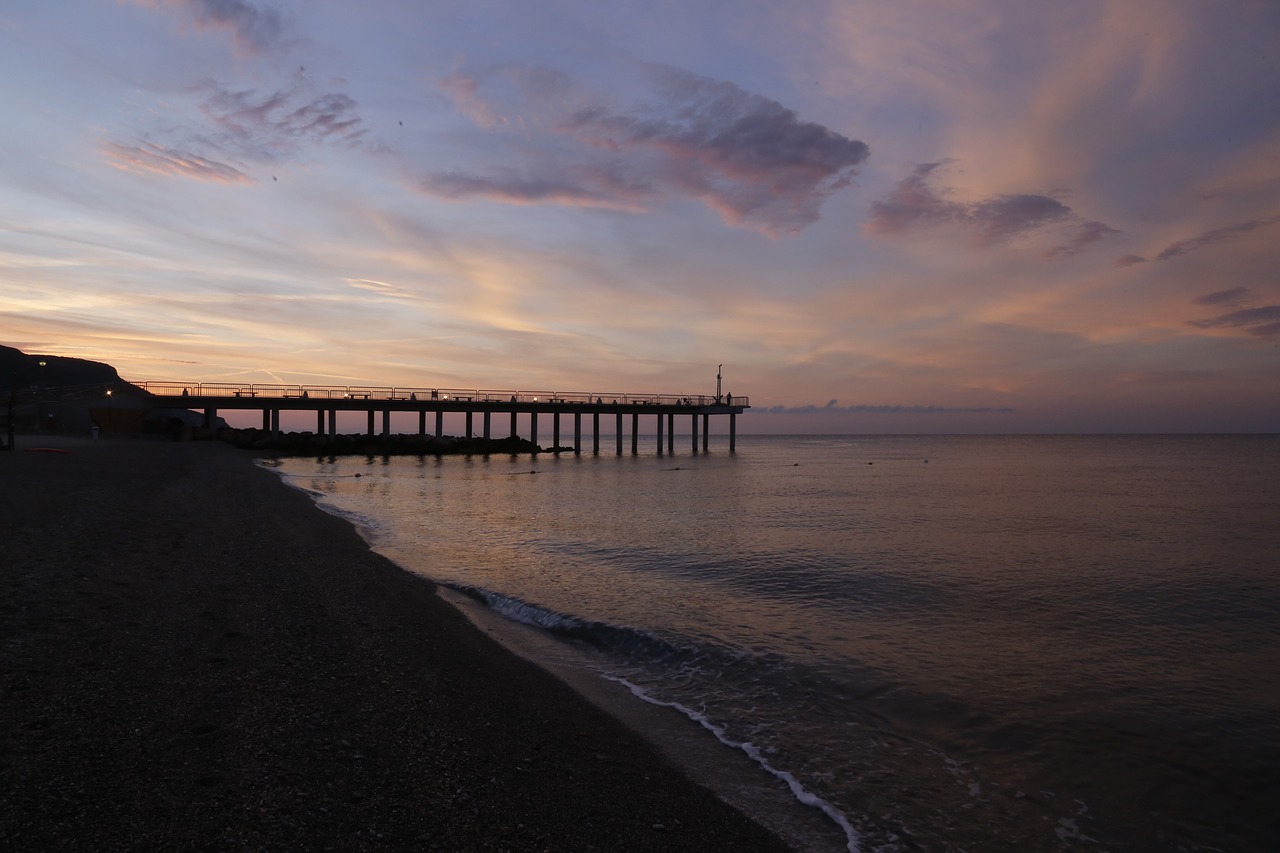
{"points": [[939, 643]]}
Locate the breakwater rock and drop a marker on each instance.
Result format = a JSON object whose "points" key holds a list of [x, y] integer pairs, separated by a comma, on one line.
{"points": [[310, 444]]}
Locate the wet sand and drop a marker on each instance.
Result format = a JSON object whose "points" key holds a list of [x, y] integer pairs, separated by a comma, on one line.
{"points": [[196, 657]]}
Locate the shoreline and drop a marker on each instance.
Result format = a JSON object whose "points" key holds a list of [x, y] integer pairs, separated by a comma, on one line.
{"points": [[197, 656]]}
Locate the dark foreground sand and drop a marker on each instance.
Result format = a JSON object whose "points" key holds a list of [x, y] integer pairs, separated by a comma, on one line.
{"points": [[192, 656]]}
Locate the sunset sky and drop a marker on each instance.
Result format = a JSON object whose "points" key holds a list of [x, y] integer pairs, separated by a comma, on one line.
{"points": [[880, 216]]}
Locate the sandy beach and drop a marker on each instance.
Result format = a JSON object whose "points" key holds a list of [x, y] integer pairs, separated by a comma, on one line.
{"points": [[196, 657]]}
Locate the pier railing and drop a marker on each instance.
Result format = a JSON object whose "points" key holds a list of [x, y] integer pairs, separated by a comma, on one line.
{"points": [[269, 391]]}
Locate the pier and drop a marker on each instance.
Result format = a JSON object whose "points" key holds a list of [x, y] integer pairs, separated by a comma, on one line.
{"points": [[480, 409]]}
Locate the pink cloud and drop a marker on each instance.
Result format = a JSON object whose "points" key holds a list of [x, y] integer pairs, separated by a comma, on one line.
{"points": [[253, 28], [157, 159], [1217, 235]]}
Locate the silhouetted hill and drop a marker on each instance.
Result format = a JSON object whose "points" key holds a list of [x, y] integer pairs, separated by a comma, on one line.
{"points": [[21, 372]]}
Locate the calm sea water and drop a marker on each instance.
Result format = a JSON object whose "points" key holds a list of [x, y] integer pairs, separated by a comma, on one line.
{"points": [[943, 643]]}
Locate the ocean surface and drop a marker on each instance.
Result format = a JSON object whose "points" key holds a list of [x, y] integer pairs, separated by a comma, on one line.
{"points": [[939, 643]]}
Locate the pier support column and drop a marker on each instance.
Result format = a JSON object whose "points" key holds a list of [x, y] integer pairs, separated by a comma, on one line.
{"points": [[275, 423], [371, 423], [706, 429], [513, 425], [439, 423], [618, 433], [635, 433], [210, 418], [595, 432], [422, 423], [533, 427], [266, 420], [733, 432], [693, 428], [319, 421], [333, 422], [671, 432], [468, 432], [577, 432], [659, 435], [555, 431], [486, 425], [386, 422]]}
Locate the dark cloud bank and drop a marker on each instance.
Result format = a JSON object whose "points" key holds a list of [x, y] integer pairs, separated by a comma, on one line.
{"points": [[833, 408]]}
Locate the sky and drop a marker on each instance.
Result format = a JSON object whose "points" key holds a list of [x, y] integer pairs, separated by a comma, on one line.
{"points": [[880, 216]]}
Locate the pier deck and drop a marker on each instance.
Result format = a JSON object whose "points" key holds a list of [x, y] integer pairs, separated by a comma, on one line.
{"points": [[326, 401]]}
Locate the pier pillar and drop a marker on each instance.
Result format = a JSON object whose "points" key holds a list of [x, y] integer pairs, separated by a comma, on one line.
{"points": [[706, 429], [486, 425], [635, 433], [595, 432], [439, 423], [210, 417], [733, 432], [333, 422], [371, 423], [618, 433], [577, 432], [275, 423], [533, 427], [671, 432], [513, 425], [422, 423], [659, 435], [467, 434], [693, 428], [555, 431], [266, 420], [319, 421], [386, 422]]}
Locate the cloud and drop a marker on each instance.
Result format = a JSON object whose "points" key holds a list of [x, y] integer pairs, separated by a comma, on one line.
{"points": [[913, 204], [1086, 235], [1128, 260], [1263, 322], [833, 408], [1232, 296], [242, 126], [746, 156], [150, 157], [254, 29], [263, 125], [1217, 235]]}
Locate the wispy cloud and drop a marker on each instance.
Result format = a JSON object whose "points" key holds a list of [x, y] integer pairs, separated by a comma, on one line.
{"points": [[157, 159], [1262, 322], [254, 28], [1230, 296], [914, 203], [1217, 235], [748, 157]]}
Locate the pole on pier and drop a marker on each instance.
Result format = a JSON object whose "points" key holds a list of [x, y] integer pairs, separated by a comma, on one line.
{"points": [[718, 369]]}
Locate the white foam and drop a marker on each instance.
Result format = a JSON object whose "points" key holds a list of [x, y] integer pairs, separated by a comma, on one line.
{"points": [[753, 752]]}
